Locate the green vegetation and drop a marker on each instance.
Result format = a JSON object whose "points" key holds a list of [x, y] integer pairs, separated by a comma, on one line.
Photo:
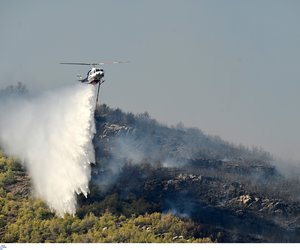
{"points": [[26, 219]]}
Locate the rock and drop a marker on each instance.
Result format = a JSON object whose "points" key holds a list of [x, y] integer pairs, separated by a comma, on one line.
{"points": [[110, 130], [279, 205], [245, 199], [278, 211]]}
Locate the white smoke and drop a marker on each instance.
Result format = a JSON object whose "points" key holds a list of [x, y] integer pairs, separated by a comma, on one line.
{"points": [[52, 133]]}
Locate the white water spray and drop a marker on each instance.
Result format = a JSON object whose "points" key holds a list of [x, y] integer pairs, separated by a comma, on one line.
{"points": [[52, 134]]}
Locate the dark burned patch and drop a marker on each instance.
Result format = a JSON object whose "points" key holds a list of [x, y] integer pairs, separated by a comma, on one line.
{"points": [[221, 206], [235, 192]]}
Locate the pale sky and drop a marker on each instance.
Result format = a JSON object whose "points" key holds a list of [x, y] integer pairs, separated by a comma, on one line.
{"points": [[228, 67]]}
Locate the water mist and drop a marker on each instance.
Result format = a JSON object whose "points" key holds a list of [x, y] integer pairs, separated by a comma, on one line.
{"points": [[52, 134]]}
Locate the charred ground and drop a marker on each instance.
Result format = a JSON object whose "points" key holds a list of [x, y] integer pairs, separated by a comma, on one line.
{"points": [[232, 193]]}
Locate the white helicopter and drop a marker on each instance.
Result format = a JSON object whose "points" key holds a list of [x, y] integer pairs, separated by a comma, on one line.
{"points": [[94, 75]]}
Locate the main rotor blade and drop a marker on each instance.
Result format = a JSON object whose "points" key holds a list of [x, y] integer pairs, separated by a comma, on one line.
{"points": [[100, 63], [76, 63], [112, 62]]}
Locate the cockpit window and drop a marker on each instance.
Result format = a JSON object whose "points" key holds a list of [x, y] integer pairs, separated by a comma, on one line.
{"points": [[97, 70]]}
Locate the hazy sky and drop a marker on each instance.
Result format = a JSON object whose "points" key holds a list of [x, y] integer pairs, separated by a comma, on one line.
{"points": [[228, 67]]}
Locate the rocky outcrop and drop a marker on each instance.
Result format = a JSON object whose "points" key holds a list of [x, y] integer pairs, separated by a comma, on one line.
{"points": [[111, 130]]}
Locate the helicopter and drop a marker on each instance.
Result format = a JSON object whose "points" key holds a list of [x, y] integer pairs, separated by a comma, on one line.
{"points": [[95, 75]]}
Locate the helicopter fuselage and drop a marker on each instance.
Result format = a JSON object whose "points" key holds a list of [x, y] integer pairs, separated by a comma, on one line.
{"points": [[95, 75]]}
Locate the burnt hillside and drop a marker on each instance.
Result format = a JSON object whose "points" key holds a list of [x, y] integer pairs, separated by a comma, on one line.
{"points": [[235, 193]]}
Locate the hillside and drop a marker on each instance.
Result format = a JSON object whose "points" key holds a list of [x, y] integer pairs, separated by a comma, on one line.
{"points": [[27, 219], [153, 183], [234, 191]]}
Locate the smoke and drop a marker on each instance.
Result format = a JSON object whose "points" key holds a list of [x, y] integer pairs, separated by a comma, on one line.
{"points": [[52, 133], [289, 168], [180, 206]]}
